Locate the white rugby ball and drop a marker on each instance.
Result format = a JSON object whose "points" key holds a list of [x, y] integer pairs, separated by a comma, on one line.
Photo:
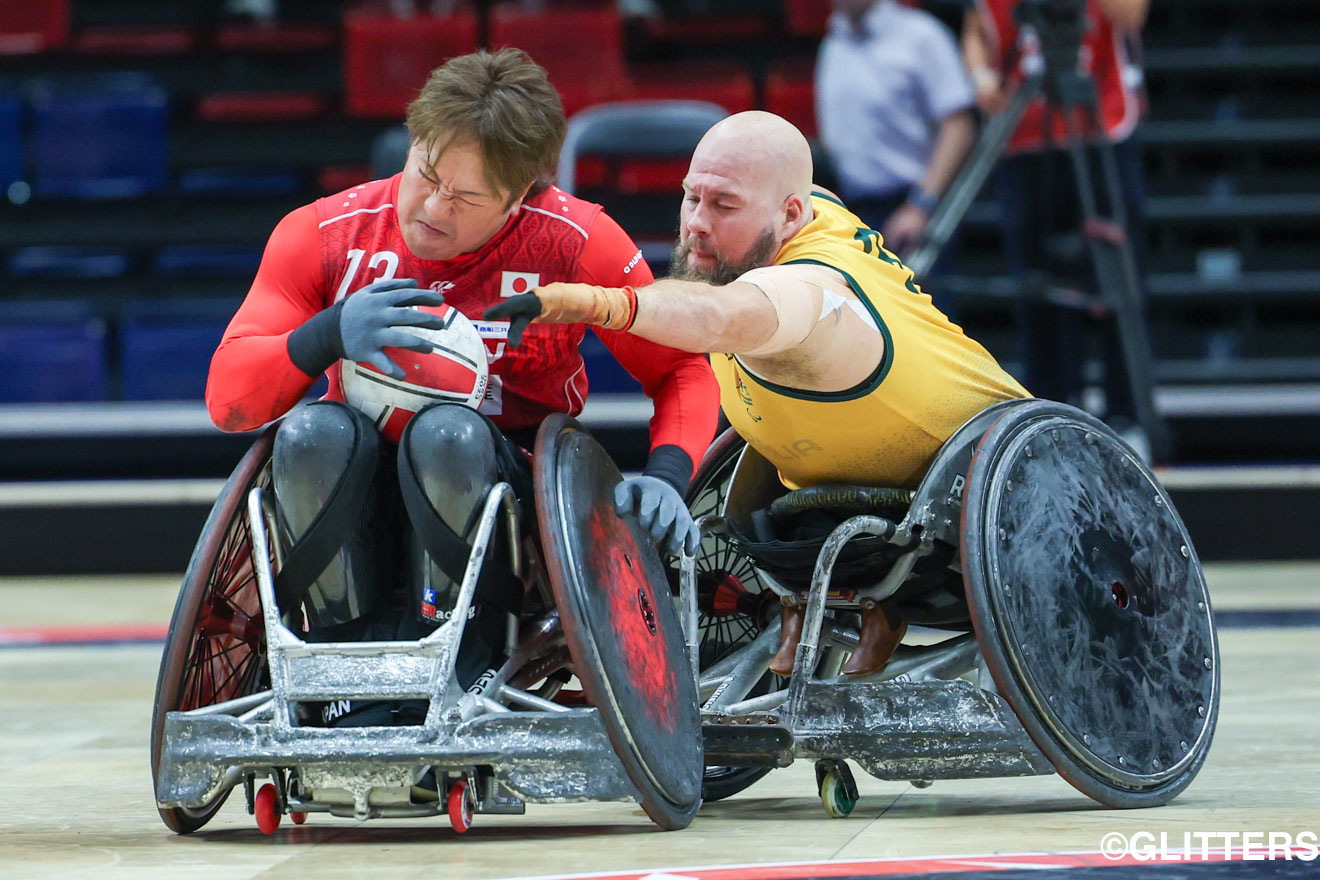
{"points": [[455, 371]]}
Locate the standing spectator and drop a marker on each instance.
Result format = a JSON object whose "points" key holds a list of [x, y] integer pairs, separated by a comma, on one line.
{"points": [[894, 108], [1037, 191]]}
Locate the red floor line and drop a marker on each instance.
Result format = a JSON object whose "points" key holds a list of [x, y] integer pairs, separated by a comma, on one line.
{"points": [[907, 865], [15, 636]]}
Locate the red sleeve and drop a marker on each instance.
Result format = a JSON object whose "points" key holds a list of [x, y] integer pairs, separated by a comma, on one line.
{"points": [[681, 385], [252, 380]]}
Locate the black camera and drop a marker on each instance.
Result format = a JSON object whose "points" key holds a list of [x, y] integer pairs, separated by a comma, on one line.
{"points": [[1059, 26]]}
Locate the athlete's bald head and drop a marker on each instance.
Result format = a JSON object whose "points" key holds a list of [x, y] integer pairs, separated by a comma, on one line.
{"points": [[747, 191], [761, 150]]}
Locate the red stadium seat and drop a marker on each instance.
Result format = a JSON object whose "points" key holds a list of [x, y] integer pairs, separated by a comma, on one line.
{"points": [[387, 59], [557, 39], [806, 18], [790, 91], [33, 26], [726, 83], [273, 38], [718, 29], [134, 41], [259, 106]]}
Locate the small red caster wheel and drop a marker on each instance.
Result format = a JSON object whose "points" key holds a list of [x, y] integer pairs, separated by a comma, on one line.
{"points": [[298, 818], [267, 809], [460, 806]]}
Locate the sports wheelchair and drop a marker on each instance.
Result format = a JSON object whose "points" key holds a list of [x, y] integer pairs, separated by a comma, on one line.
{"points": [[235, 670], [1070, 621]]}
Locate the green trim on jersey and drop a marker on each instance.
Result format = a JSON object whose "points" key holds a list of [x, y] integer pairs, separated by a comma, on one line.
{"points": [[867, 385]]}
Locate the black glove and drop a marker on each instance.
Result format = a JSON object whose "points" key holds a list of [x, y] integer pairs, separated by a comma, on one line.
{"points": [[661, 511], [520, 310], [363, 324]]}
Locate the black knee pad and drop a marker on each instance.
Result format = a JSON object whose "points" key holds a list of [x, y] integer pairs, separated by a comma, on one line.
{"points": [[325, 469], [447, 453], [451, 450], [313, 446]]}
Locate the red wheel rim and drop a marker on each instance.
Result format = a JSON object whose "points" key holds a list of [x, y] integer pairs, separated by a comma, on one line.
{"points": [[298, 818], [226, 656], [266, 807], [216, 645], [460, 807]]}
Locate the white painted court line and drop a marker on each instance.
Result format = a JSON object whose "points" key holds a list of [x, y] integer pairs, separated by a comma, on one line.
{"points": [[190, 417], [1238, 400], [62, 493], [1241, 477]]}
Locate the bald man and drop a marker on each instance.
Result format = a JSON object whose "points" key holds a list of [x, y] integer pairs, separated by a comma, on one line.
{"points": [[832, 363]]}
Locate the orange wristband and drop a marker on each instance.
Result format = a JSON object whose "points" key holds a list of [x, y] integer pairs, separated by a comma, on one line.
{"points": [[632, 307]]}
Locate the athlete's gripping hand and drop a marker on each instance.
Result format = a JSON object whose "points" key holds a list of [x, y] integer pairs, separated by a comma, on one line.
{"points": [[375, 317], [566, 303], [660, 511], [363, 324], [520, 311]]}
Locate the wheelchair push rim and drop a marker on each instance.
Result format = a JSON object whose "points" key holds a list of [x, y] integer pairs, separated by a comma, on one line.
{"points": [[723, 626], [215, 648], [1089, 604]]}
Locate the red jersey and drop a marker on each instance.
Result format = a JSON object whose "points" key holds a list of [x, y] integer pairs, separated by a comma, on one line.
{"points": [[1103, 56], [322, 252]]}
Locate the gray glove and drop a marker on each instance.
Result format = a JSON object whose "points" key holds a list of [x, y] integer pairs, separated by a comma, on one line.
{"points": [[371, 320], [363, 324], [660, 511]]}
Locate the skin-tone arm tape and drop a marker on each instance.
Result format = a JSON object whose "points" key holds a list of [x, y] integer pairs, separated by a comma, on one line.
{"points": [[797, 303], [802, 298]]}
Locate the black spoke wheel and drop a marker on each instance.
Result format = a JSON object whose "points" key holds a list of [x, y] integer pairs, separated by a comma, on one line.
{"points": [[216, 646], [730, 597]]}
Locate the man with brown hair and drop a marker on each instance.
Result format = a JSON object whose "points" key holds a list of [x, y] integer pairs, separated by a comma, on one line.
{"points": [[471, 219]]}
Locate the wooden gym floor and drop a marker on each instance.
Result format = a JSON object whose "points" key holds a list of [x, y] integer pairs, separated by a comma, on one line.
{"points": [[78, 661]]}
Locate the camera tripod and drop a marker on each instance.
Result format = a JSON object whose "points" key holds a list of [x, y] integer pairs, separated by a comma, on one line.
{"points": [[1053, 74]]}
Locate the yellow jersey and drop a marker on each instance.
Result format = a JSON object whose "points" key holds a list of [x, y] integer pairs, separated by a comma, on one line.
{"points": [[885, 431]]}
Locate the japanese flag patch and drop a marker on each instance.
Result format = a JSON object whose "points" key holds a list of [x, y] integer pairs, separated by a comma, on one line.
{"points": [[514, 283]]}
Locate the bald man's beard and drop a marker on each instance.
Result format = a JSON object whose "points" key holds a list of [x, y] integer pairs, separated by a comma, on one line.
{"points": [[723, 271]]}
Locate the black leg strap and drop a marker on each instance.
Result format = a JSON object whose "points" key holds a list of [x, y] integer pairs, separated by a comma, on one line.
{"points": [[330, 529], [497, 585]]}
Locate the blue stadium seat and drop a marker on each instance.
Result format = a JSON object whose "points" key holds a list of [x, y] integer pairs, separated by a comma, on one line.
{"points": [[605, 375], [51, 261], [11, 139], [51, 351], [238, 183], [207, 260], [98, 137], [166, 346]]}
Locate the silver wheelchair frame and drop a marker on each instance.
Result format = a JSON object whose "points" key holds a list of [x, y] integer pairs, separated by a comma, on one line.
{"points": [[536, 750], [935, 711]]}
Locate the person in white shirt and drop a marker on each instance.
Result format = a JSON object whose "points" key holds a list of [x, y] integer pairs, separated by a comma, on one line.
{"points": [[894, 109]]}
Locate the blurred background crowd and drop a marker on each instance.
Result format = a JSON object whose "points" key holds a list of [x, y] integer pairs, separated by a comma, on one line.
{"points": [[147, 150]]}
